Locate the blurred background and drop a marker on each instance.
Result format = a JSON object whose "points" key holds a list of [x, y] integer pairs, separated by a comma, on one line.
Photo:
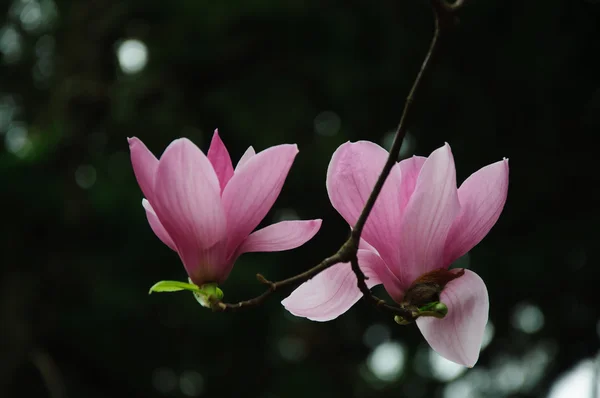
{"points": [[513, 79]]}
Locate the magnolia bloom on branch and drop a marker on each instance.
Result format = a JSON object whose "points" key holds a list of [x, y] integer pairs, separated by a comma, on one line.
{"points": [[419, 225], [205, 210]]}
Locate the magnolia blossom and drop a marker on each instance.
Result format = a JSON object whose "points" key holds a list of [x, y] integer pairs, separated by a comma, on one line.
{"points": [[205, 210], [419, 225]]}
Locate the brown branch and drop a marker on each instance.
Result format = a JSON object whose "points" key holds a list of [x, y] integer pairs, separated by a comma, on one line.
{"points": [[402, 126], [347, 253], [340, 256], [408, 315], [441, 9]]}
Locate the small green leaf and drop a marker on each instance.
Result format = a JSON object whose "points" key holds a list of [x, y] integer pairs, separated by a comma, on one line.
{"points": [[173, 286], [208, 292], [436, 309]]}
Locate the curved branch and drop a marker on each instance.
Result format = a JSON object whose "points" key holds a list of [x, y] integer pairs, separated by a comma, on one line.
{"points": [[442, 9], [218, 305]]}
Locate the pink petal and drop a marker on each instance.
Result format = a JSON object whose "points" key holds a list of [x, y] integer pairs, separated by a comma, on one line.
{"points": [[332, 292], [459, 334], [284, 235], [144, 166], [187, 203], [432, 208], [156, 226], [351, 175], [245, 157], [220, 159], [391, 283], [364, 245], [409, 170], [482, 197], [253, 189], [393, 286]]}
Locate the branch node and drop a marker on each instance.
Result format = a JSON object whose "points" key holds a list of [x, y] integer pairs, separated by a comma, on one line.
{"points": [[265, 281]]}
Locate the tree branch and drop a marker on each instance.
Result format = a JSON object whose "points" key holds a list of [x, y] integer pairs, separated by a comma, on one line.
{"points": [[274, 286], [407, 314], [441, 9], [443, 12]]}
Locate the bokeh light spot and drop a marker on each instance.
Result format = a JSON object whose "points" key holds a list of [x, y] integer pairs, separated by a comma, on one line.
{"points": [[408, 143], [386, 362], [85, 176], [443, 369], [528, 318], [10, 44], [31, 15], [132, 55], [510, 376], [488, 335], [459, 389], [191, 383], [327, 123], [164, 380], [292, 349], [580, 382], [7, 111], [16, 138]]}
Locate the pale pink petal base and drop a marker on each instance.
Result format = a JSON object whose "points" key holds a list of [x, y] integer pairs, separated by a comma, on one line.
{"points": [[188, 204], [156, 226], [333, 291], [459, 334], [428, 217], [281, 236]]}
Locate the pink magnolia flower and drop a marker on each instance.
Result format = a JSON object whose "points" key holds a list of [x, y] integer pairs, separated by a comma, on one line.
{"points": [[420, 223], [205, 210]]}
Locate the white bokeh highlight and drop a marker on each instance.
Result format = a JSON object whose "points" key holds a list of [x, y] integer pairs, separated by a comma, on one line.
{"points": [[528, 318], [386, 362], [132, 55]]}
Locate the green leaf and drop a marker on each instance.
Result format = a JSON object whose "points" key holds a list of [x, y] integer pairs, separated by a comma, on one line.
{"points": [[174, 286], [436, 309]]}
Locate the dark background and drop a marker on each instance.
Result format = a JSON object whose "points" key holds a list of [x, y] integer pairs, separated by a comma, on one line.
{"points": [[517, 79]]}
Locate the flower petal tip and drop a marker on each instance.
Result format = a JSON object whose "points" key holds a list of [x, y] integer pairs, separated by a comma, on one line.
{"points": [[215, 136], [132, 141]]}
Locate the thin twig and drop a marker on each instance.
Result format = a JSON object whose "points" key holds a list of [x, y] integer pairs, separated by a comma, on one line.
{"points": [[274, 286], [441, 8], [408, 315], [347, 253], [400, 133]]}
